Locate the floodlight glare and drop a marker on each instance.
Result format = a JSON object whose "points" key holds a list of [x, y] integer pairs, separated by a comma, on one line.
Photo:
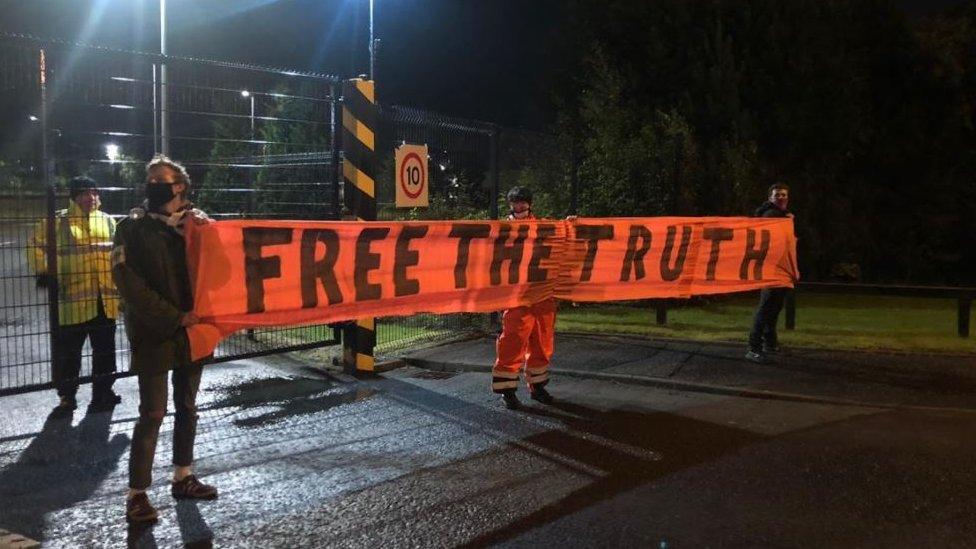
{"points": [[112, 152]]}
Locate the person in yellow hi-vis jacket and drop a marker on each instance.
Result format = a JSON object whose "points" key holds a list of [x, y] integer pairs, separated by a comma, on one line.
{"points": [[88, 303]]}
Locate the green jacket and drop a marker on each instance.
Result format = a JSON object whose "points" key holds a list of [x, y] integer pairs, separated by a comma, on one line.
{"points": [[149, 269]]}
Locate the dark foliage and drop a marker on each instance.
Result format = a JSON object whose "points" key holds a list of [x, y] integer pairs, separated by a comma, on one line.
{"points": [[696, 106]]}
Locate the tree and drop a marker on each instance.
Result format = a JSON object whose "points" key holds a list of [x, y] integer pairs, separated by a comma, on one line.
{"points": [[697, 106]]}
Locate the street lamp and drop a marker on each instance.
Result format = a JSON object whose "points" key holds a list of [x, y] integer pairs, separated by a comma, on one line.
{"points": [[248, 95], [112, 152]]}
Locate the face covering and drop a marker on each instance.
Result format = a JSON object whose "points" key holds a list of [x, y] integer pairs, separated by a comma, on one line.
{"points": [[158, 194]]}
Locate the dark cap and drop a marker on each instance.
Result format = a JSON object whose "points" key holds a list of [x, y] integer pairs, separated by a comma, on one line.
{"points": [[520, 194], [80, 184]]}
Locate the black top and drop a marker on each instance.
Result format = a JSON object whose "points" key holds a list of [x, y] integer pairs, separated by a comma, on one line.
{"points": [[768, 209]]}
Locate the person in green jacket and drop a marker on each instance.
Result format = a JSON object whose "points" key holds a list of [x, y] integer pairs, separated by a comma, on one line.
{"points": [[149, 267]]}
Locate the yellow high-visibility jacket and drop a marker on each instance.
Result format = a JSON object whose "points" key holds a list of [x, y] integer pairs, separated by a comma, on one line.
{"points": [[84, 248]]}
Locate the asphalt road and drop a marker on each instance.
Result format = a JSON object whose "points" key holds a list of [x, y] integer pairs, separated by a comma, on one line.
{"points": [[430, 459]]}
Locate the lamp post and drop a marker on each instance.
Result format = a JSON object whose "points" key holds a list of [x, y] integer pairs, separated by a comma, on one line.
{"points": [[250, 168], [163, 115], [248, 95], [372, 45]]}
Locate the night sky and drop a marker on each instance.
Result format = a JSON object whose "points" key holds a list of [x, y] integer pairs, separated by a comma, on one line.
{"points": [[484, 60], [488, 59]]}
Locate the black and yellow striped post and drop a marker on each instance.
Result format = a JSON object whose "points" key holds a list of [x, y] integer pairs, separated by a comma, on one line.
{"points": [[359, 115]]}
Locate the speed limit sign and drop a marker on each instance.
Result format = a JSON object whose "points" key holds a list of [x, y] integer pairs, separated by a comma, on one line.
{"points": [[411, 176]]}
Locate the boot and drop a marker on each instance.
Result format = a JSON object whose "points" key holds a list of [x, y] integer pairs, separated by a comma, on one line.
{"points": [[540, 394], [104, 403], [511, 400]]}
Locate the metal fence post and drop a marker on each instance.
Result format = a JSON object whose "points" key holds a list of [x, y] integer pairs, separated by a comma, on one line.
{"points": [[661, 311], [494, 320], [965, 304], [51, 251], [338, 333], [493, 166], [51, 239], [573, 179], [336, 150]]}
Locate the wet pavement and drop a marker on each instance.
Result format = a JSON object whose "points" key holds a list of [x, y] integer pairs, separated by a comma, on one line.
{"points": [[877, 378], [422, 458]]}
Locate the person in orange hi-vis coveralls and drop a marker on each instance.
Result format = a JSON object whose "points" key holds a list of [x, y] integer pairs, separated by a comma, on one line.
{"points": [[528, 333]]}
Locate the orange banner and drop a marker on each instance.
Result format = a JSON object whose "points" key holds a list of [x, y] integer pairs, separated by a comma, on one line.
{"points": [[248, 274]]}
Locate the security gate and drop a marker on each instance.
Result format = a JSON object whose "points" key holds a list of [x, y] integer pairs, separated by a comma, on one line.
{"points": [[257, 142]]}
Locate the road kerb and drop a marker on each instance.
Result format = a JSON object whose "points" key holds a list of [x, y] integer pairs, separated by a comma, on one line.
{"points": [[743, 392]]}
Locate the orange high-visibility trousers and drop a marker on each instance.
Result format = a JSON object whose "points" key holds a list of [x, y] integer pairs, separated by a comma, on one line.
{"points": [[527, 340]]}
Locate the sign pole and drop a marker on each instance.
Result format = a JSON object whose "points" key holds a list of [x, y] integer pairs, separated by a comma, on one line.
{"points": [[359, 117]]}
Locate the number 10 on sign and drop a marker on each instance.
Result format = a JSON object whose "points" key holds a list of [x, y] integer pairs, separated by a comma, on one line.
{"points": [[411, 176]]}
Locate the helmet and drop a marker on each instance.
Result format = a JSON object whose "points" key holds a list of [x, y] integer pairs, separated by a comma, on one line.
{"points": [[520, 194]]}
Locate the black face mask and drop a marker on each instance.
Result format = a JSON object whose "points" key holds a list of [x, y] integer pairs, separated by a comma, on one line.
{"points": [[158, 194]]}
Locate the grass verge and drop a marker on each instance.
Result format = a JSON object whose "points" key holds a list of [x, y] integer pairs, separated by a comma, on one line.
{"points": [[875, 323]]}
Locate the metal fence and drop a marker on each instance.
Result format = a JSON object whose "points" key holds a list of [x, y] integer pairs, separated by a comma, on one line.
{"points": [[257, 142], [471, 165]]}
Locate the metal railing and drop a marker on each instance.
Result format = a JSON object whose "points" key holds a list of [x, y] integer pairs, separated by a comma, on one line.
{"points": [[257, 142], [963, 296]]}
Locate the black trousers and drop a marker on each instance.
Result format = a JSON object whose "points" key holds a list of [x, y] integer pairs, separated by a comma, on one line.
{"points": [[100, 331], [767, 314], [153, 390]]}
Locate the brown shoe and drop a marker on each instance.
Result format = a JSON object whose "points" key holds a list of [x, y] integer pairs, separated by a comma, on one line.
{"points": [[191, 488], [138, 509]]}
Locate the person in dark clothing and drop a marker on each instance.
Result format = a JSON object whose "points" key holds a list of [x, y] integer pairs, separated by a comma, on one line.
{"points": [[149, 266], [763, 340]]}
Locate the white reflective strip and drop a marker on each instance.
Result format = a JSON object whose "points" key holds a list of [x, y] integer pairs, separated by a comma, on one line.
{"points": [[536, 379], [505, 385], [118, 255], [536, 370], [495, 372]]}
